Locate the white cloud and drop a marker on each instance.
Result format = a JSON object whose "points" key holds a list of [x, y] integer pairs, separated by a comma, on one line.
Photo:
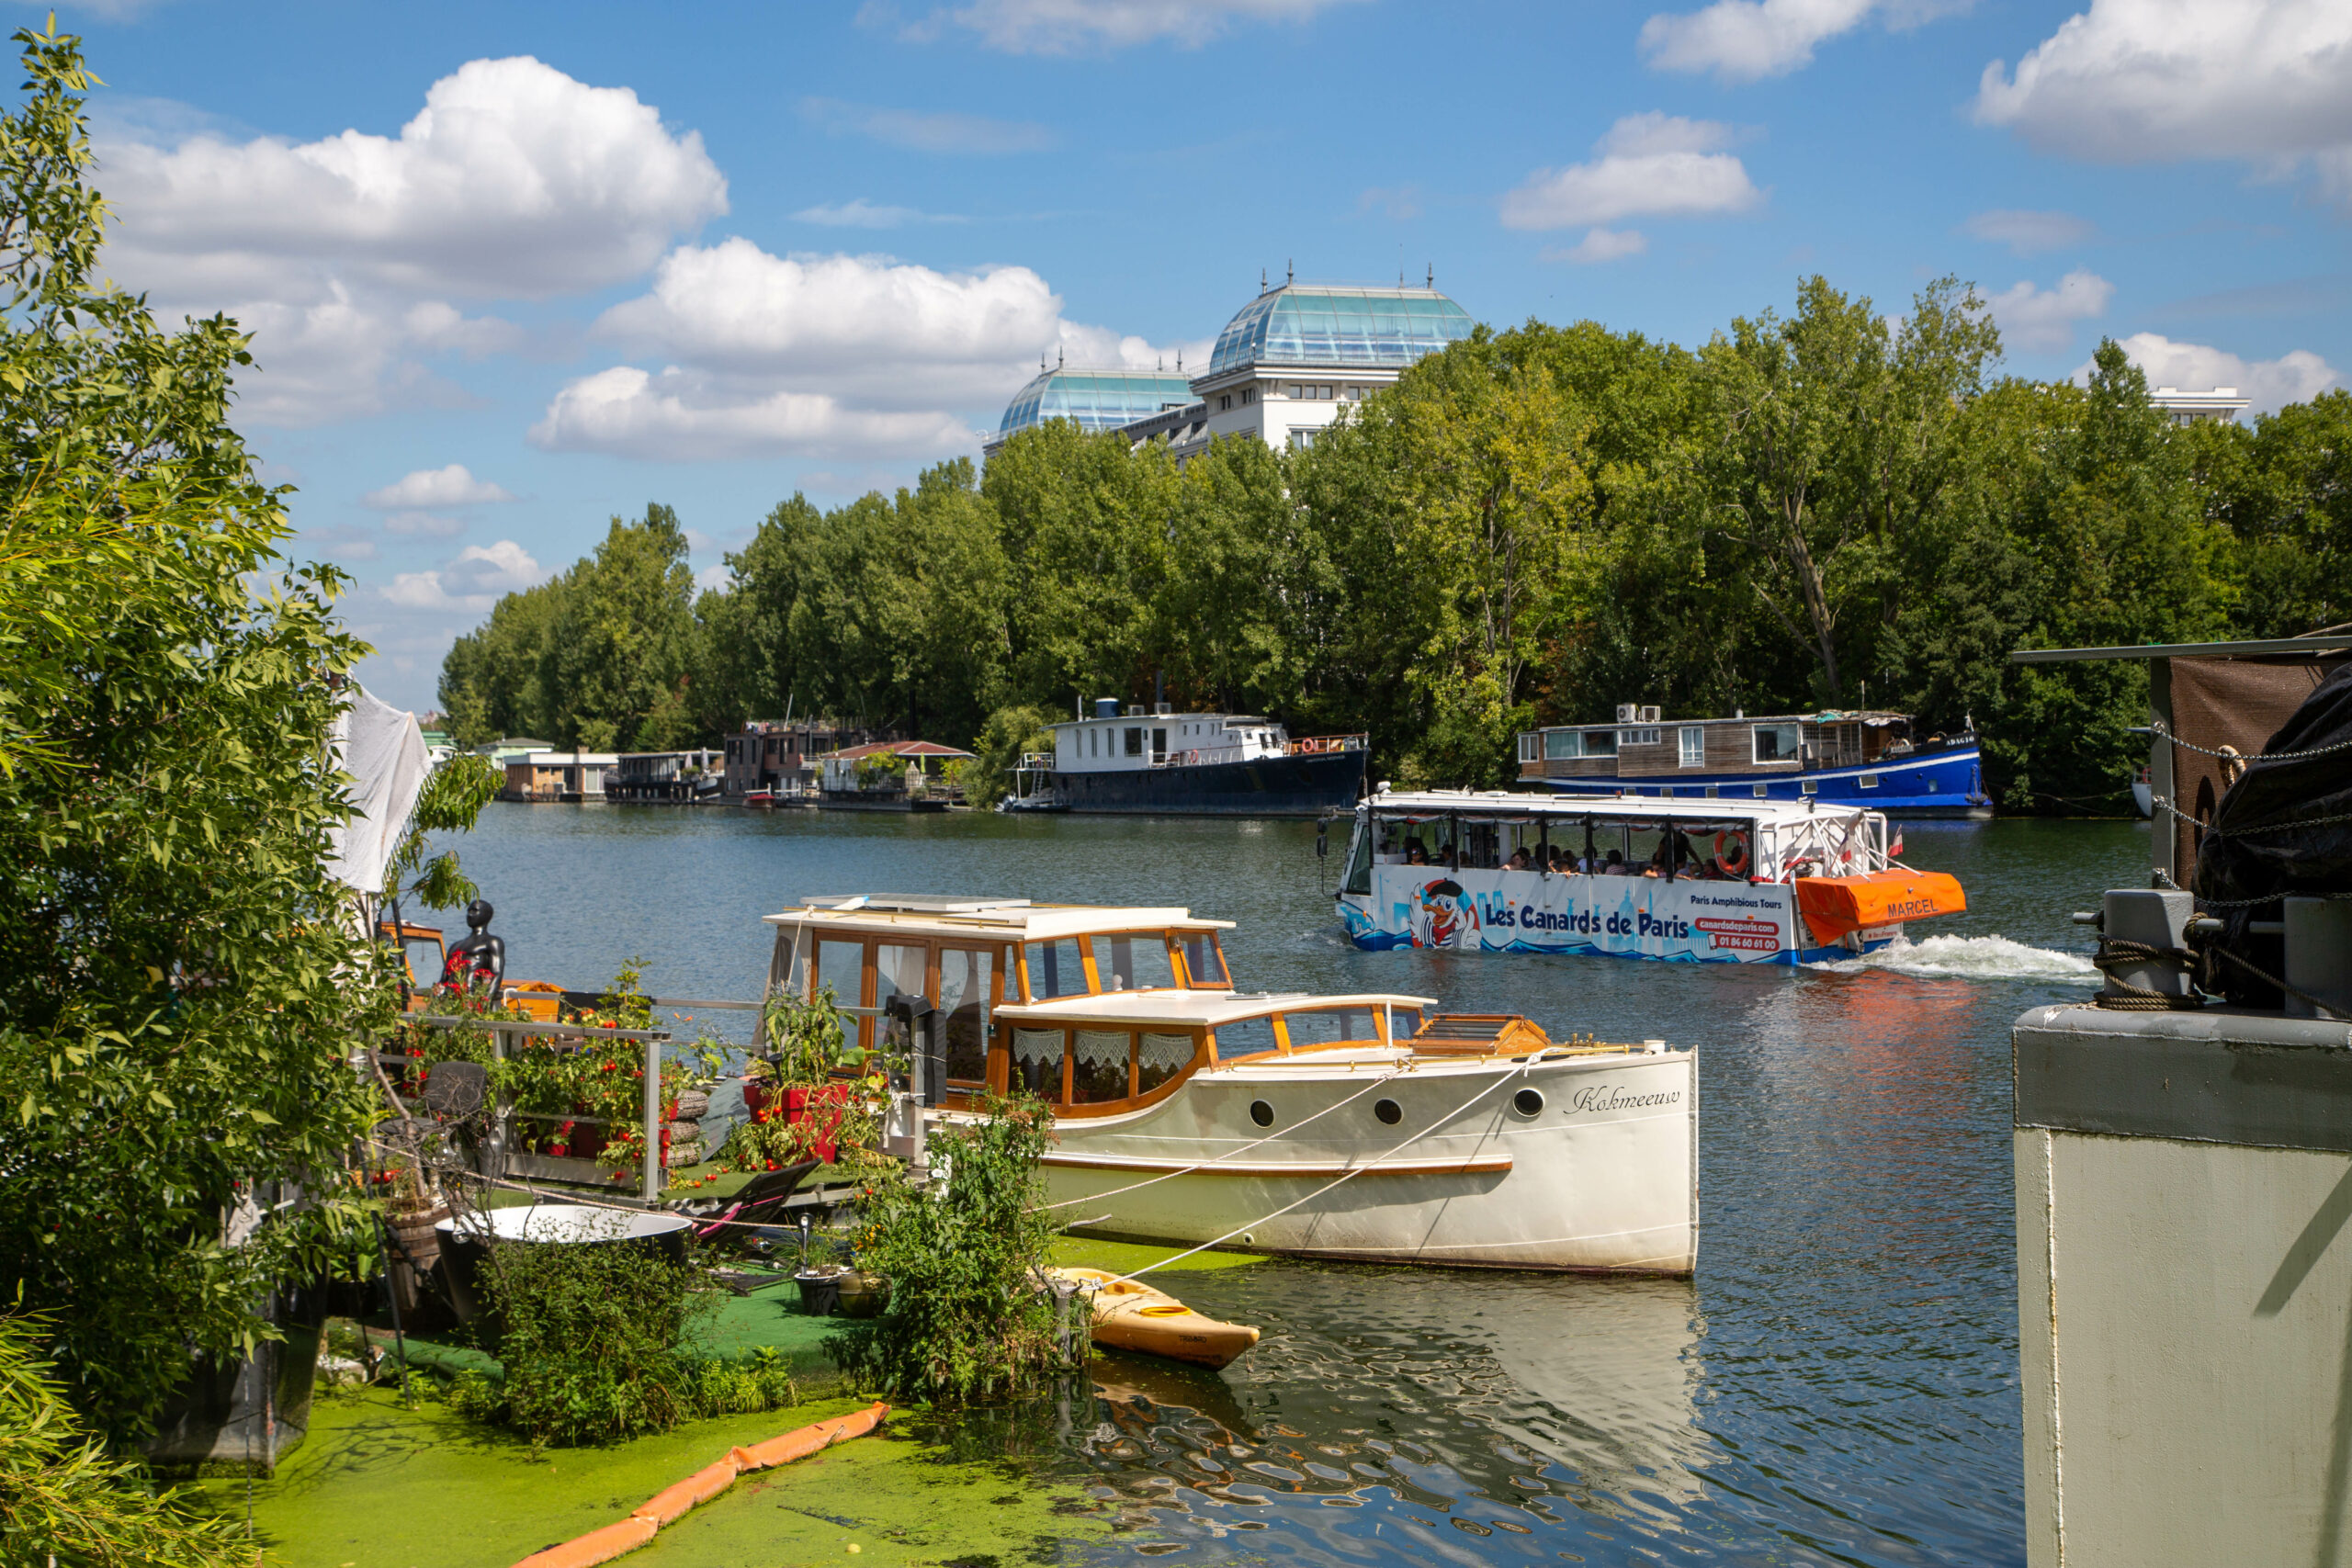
{"points": [[2293, 378], [1740, 41], [861, 357], [472, 580], [2040, 319], [452, 486], [710, 579], [2027, 233], [936, 131], [1650, 164], [2150, 81], [341, 256], [864, 214], [1066, 26], [1602, 246], [682, 415]]}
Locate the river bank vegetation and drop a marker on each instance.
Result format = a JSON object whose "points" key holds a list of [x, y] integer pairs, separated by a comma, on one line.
{"points": [[1820, 507]]}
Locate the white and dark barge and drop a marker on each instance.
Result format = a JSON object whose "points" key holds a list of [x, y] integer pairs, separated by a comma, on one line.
{"points": [[1156, 762]]}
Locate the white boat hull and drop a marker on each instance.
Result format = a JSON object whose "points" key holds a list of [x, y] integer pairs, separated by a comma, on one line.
{"points": [[1602, 1177]]}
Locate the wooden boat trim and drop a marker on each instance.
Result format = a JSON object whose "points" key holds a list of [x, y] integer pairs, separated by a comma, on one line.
{"points": [[1476, 1165]]}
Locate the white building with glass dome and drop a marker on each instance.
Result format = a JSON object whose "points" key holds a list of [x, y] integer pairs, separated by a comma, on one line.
{"points": [[1283, 369]]}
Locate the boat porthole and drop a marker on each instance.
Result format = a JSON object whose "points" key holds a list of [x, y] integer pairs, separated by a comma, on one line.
{"points": [[1388, 1111], [1262, 1113], [1528, 1102]]}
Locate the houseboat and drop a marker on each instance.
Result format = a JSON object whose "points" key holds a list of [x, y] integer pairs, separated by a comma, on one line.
{"points": [[1860, 757], [1728, 881], [890, 775], [1157, 761], [1361, 1127]]}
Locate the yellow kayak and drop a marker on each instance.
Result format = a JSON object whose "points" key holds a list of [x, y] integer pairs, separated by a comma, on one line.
{"points": [[1131, 1316]]}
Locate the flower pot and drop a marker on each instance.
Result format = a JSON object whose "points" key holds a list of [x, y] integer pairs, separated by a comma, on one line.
{"points": [[862, 1295], [820, 1291], [414, 1250]]}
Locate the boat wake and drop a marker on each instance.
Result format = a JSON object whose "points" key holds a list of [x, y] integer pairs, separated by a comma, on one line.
{"points": [[1966, 958]]}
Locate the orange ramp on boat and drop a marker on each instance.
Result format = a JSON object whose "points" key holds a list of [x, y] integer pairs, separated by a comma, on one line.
{"points": [[1131, 1315], [1836, 906]]}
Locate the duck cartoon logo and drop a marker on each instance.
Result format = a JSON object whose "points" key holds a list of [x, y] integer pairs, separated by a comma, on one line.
{"points": [[1444, 915]]}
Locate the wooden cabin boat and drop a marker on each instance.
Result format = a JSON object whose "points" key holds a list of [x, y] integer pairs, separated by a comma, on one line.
{"points": [[1360, 1127], [1699, 882]]}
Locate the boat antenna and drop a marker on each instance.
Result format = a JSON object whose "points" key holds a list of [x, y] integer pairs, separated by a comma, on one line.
{"points": [[1261, 280], [1432, 277], [1290, 273]]}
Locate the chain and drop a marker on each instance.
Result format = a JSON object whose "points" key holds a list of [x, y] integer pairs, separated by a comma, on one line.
{"points": [[2171, 810], [2164, 730], [2164, 880], [2322, 1008]]}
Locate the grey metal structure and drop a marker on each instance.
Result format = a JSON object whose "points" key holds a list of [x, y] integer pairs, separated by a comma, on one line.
{"points": [[2183, 1184]]}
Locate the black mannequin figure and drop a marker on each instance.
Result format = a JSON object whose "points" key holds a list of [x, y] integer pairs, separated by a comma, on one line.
{"points": [[478, 958]]}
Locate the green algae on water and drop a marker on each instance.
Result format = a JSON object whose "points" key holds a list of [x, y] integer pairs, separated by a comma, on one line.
{"points": [[378, 1487]]}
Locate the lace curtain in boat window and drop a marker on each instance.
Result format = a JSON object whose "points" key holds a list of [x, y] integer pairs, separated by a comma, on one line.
{"points": [[1159, 1058], [1098, 1066], [1036, 1045], [1037, 1061], [1102, 1048]]}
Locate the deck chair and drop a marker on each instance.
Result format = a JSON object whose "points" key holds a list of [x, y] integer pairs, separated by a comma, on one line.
{"points": [[761, 1202]]}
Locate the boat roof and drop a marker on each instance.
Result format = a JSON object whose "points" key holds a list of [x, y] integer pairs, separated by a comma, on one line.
{"points": [[1228, 719], [1192, 1009], [1010, 919], [1522, 803]]}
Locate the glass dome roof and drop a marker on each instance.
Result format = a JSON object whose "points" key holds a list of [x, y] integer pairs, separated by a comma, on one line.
{"points": [[1097, 399], [1297, 324]]}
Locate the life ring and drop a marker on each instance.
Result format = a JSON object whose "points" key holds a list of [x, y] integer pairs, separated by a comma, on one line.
{"points": [[1736, 865]]}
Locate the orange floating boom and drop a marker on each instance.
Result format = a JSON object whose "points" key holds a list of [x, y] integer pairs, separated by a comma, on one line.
{"points": [[672, 1502], [1836, 906]]}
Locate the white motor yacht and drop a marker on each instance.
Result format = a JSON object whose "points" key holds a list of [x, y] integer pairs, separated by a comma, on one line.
{"points": [[1364, 1127]]}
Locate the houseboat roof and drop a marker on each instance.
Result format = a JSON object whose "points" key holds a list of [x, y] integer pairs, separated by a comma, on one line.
{"points": [[1192, 1010], [1228, 719], [1877, 718], [1575, 807], [897, 749], [1008, 919]]}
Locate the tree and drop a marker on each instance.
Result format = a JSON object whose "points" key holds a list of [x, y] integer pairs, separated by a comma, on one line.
{"points": [[180, 984], [1837, 441]]}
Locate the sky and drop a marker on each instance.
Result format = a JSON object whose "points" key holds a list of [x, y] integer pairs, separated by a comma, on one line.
{"points": [[514, 269]]}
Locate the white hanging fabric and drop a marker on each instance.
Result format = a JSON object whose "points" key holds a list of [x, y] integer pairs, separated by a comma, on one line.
{"points": [[1102, 1048], [1164, 1053], [1037, 1044], [383, 751]]}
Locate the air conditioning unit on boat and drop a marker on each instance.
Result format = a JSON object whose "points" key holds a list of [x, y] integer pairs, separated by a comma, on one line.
{"points": [[1626, 712], [1135, 710], [1652, 715]]}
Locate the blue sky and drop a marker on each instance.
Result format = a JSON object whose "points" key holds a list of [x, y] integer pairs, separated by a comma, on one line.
{"points": [[514, 268]]}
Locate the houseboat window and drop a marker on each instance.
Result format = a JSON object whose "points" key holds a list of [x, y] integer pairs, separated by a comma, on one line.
{"points": [[964, 979], [1246, 1038], [1776, 742], [1098, 1067], [1760, 792], [1328, 1027], [1159, 1058], [1530, 747], [1160, 745], [1601, 743], [898, 971], [1038, 1062], [1205, 962], [1136, 962], [1404, 1023], [1359, 877], [1693, 742], [1135, 742], [1639, 737], [838, 964], [1055, 970], [1560, 746]]}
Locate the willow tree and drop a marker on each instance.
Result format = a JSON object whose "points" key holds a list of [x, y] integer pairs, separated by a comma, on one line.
{"points": [[179, 984]]}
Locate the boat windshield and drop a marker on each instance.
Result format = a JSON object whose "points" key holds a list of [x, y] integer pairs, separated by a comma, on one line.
{"points": [[1331, 1026], [1205, 962]]}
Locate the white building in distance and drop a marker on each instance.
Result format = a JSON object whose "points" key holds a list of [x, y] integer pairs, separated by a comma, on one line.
{"points": [[1283, 369], [2222, 404]]}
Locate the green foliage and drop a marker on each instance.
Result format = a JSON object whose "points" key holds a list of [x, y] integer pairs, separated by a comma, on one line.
{"points": [[595, 1340], [997, 751], [64, 1501], [179, 981], [1826, 507], [453, 796], [965, 1319]]}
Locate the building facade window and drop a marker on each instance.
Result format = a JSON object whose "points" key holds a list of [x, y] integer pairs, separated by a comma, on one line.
{"points": [[1693, 741]]}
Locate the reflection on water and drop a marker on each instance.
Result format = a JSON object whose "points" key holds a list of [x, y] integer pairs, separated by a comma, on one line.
{"points": [[1838, 1384]]}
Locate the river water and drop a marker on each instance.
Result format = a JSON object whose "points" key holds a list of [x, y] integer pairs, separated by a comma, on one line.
{"points": [[1838, 1384]]}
